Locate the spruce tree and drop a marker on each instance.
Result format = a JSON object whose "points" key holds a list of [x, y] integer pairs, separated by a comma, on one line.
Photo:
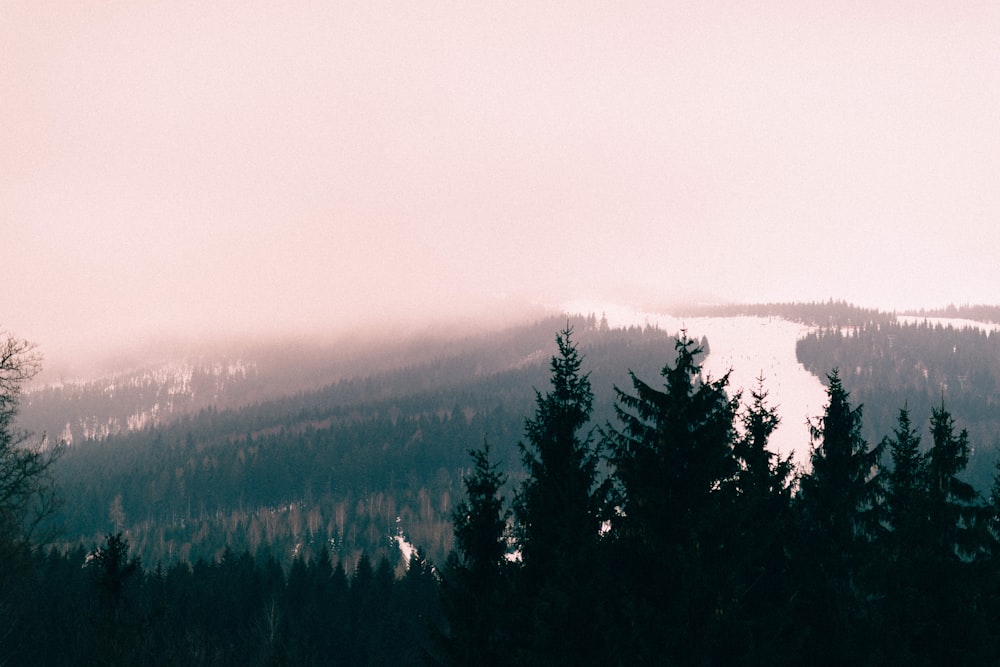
{"points": [[903, 567], [842, 492], [673, 460], [475, 586], [756, 626], [951, 628], [906, 483], [952, 500], [558, 509], [762, 474], [840, 499], [673, 451], [558, 514]]}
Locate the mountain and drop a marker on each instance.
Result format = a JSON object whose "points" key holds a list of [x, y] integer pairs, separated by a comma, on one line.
{"points": [[297, 447], [348, 465]]}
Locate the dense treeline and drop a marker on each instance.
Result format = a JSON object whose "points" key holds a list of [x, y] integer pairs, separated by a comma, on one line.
{"points": [[350, 464], [106, 607], [665, 533], [701, 546], [816, 313], [977, 312], [886, 365]]}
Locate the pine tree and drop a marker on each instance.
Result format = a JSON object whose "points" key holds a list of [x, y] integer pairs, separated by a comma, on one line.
{"points": [[558, 509], [952, 500], [762, 474], [674, 449], [840, 499], [904, 567], [842, 492], [907, 481], [756, 625], [673, 461], [475, 588], [558, 514]]}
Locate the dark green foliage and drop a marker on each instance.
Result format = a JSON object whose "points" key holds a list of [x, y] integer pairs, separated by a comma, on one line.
{"points": [[558, 507], [906, 483], [952, 512], [476, 585], [672, 456], [673, 449], [840, 502], [235, 611], [757, 626], [340, 463], [841, 493], [558, 516], [885, 365], [716, 552]]}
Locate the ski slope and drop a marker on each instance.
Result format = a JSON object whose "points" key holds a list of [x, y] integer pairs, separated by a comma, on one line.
{"points": [[750, 347]]}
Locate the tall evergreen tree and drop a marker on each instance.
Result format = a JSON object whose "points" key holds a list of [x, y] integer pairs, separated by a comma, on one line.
{"points": [[559, 507], [840, 499], [674, 449], [903, 569], [672, 459], [842, 492], [475, 586], [558, 514], [906, 483], [762, 474], [757, 627], [952, 500]]}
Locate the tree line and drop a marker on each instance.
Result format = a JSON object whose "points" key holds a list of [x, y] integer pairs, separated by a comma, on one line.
{"points": [[675, 536], [351, 462], [669, 533]]}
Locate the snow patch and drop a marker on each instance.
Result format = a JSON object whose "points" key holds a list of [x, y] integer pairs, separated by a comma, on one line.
{"points": [[750, 347]]}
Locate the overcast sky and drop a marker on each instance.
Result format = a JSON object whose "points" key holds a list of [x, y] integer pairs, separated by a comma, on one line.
{"points": [[208, 167]]}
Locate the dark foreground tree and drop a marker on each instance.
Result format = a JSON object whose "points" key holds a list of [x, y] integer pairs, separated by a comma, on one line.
{"points": [[840, 502], [952, 500], [27, 495], [475, 585], [672, 458], [558, 516], [27, 492], [116, 618], [757, 628]]}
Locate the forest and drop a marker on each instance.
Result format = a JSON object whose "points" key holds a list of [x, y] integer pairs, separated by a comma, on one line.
{"points": [[614, 506]]}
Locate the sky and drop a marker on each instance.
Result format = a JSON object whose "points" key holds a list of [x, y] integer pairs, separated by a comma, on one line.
{"points": [[211, 168]]}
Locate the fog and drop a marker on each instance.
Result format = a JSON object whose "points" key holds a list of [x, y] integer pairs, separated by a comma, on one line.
{"points": [[189, 170]]}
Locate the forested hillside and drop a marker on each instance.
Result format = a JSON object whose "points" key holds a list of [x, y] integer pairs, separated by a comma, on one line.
{"points": [[345, 467], [670, 535], [889, 365]]}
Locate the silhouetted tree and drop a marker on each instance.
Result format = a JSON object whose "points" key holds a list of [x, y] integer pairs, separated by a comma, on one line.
{"points": [[840, 499], [475, 585], [952, 509], [906, 482], [27, 493], [558, 514], [116, 577], [671, 457], [756, 627]]}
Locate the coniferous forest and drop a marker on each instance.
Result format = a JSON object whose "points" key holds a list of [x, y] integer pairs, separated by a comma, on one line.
{"points": [[616, 506]]}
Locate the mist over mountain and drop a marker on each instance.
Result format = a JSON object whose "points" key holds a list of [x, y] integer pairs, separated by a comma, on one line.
{"points": [[241, 434], [271, 462]]}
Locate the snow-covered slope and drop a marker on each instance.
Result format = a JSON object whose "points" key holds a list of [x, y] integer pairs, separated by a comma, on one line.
{"points": [[751, 347]]}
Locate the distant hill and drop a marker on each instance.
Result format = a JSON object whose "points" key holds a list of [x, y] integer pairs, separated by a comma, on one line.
{"points": [[300, 447], [347, 465]]}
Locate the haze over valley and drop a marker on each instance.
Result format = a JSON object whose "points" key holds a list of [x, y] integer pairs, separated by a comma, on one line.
{"points": [[510, 334]]}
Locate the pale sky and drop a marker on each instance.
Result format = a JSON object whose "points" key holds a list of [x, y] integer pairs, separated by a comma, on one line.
{"points": [[213, 167]]}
